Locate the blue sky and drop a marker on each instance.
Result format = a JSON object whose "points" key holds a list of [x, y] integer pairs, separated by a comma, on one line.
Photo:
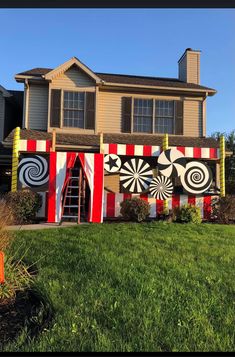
{"points": [[128, 41]]}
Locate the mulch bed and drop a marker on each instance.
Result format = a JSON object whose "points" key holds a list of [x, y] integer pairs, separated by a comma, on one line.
{"points": [[22, 311]]}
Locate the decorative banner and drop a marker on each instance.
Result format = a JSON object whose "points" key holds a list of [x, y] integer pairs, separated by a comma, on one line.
{"points": [[112, 163], [171, 162], [135, 175], [161, 187], [196, 178], [33, 171]]}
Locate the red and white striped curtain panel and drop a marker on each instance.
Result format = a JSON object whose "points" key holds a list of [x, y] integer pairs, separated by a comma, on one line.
{"points": [[92, 164]]}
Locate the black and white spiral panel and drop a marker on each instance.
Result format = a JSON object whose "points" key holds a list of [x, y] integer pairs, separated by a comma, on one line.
{"points": [[197, 177], [161, 187], [171, 162], [33, 171], [136, 175]]}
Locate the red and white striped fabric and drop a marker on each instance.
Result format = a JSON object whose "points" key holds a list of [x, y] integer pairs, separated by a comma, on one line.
{"points": [[35, 145], [198, 153], [112, 203], [148, 150], [92, 164], [132, 150]]}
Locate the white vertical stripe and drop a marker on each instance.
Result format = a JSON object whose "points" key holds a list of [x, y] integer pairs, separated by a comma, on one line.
{"points": [[89, 170], [23, 145], [60, 177], [118, 200], [218, 153], [199, 203], [183, 200], [152, 202], [41, 145], [169, 202], [121, 149], [188, 152], [106, 148], [155, 150], [139, 150], [105, 205], [205, 153]]}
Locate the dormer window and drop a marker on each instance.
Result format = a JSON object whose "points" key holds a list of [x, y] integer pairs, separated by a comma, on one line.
{"points": [[74, 115]]}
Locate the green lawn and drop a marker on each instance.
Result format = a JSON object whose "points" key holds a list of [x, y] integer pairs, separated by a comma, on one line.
{"points": [[134, 287]]}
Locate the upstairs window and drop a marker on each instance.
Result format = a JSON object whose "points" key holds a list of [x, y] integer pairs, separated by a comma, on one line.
{"points": [[74, 113], [154, 116], [143, 114], [164, 117]]}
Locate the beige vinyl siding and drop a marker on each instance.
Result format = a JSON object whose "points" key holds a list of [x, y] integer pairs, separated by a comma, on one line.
{"points": [[192, 118], [2, 115], [72, 78], [110, 109], [38, 107], [193, 68], [111, 182]]}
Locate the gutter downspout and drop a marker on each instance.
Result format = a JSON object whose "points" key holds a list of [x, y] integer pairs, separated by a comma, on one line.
{"points": [[204, 116], [26, 124]]}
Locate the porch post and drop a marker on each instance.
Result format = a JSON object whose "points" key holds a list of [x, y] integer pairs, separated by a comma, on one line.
{"points": [[222, 166], [15, 159], [165, 147]]}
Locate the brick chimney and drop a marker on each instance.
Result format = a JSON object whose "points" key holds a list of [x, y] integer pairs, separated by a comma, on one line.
{"points": [[189, 66]]}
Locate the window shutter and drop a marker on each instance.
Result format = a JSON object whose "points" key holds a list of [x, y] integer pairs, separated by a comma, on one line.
{"points": [[55, 107], [90, 111], [179, 117], [126, 114]]}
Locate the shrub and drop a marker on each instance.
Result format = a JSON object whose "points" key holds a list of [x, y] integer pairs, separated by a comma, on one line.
{"points": [[24, 205], [223, 209], [187, 214], [135, 209]]}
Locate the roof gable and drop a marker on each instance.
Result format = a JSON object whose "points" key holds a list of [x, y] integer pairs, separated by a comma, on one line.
{"points": [[68, 64]]}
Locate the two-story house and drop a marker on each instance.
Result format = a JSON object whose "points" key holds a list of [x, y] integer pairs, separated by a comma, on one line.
{"points": [[123, 115], [11, 110]]}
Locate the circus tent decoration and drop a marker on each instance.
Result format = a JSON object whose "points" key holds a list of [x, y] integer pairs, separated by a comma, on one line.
{"points": [[60, 163], [33, 171], [112, 163], [136, 175], [171, 162], [161, 187], [197, 177]]}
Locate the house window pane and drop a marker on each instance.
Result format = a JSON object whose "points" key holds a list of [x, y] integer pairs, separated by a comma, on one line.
{"points": [[74, 109], [164, 117], [143, 109]]}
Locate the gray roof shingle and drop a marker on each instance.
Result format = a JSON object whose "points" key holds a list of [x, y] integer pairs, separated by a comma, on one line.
{"points": [[94, 140], [129, 79]]}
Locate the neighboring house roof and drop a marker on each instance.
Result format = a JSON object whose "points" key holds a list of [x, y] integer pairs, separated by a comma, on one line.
{"points": [[94, 140], [5, 92], [127, 80], [17, 97]]}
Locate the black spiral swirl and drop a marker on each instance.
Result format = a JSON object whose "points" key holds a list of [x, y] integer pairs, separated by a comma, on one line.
{"points": [[33, 171], [161, 187], [196, 178]]}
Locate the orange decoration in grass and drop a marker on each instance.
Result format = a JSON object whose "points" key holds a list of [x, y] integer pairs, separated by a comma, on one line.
{"points": [[1, 268]]}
